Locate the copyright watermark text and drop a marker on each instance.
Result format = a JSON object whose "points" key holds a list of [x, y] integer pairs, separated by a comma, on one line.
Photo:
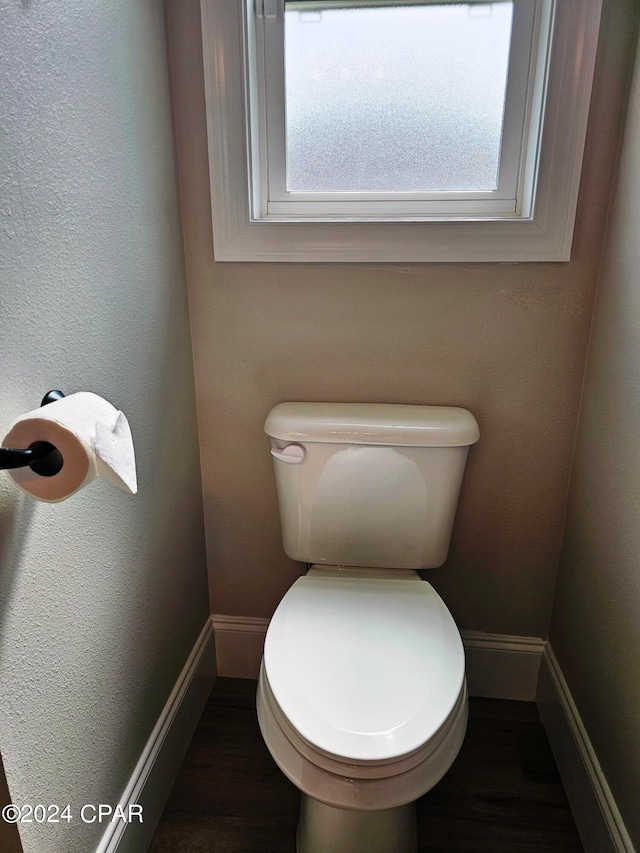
{"points": [[88, 813]]}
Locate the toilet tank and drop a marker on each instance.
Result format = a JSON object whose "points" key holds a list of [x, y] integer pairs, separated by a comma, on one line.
{"points": [[369, 484]]}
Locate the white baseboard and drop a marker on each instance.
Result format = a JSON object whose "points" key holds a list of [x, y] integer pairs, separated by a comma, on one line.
{"points": [[594, 810], [155, 772], [239, 642], [498, 666]]}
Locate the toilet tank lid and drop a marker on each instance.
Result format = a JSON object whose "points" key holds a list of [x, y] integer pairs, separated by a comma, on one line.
{"points": [[373, 423]]}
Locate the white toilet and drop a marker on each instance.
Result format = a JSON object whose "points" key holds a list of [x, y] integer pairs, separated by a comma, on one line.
{"points": [[362, 696]]}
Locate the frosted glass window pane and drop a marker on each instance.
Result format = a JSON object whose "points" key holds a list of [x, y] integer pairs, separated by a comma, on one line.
{"points": [[395, 98]]}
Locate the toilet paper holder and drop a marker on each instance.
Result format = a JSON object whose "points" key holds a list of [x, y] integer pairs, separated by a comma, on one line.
{"points": [[41, 456]]}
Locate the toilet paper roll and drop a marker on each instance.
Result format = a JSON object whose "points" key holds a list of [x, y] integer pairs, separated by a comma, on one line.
{"points": [[93, 438]]}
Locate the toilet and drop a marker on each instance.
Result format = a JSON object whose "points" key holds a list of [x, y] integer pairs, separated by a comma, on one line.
{"points": [[362, 697]]}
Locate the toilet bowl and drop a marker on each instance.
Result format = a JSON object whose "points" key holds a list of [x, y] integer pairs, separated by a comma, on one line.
{"points": [[362, 703], [362, 697]]}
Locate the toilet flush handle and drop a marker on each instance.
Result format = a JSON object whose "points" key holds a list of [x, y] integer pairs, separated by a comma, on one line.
{"points": [[292, 454]]}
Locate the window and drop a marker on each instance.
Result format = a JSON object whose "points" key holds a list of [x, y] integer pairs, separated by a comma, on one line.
{"points": [[396, 130], [389, 110]]}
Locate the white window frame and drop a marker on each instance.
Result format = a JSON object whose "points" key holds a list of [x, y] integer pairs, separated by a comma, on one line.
{"points": [[272, 201], [538, 228]]}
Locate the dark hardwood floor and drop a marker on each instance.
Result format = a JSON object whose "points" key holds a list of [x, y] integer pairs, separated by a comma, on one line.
{"points": [[502, 795]]}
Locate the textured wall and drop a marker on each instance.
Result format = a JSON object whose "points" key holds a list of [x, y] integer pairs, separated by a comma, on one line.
{"points": [[506, 341], [102, 596], [595, 630]]}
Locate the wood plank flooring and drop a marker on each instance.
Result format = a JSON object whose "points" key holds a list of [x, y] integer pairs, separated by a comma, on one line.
{"points": [[9, 837], [502, 795]]}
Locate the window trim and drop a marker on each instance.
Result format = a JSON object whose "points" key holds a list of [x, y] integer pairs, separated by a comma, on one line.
{"points": [[544, 235]]}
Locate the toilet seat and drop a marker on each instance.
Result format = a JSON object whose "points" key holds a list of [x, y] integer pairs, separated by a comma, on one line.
{"points": [[365, 667], [369, 787]]}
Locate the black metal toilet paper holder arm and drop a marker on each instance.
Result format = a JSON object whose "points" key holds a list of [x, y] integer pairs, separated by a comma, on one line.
{"points": [[41, 456]]}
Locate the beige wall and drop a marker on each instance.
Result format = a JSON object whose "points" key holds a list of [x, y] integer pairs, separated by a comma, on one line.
{"points": [[595, 631], [102, 596], [506, 341]]}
